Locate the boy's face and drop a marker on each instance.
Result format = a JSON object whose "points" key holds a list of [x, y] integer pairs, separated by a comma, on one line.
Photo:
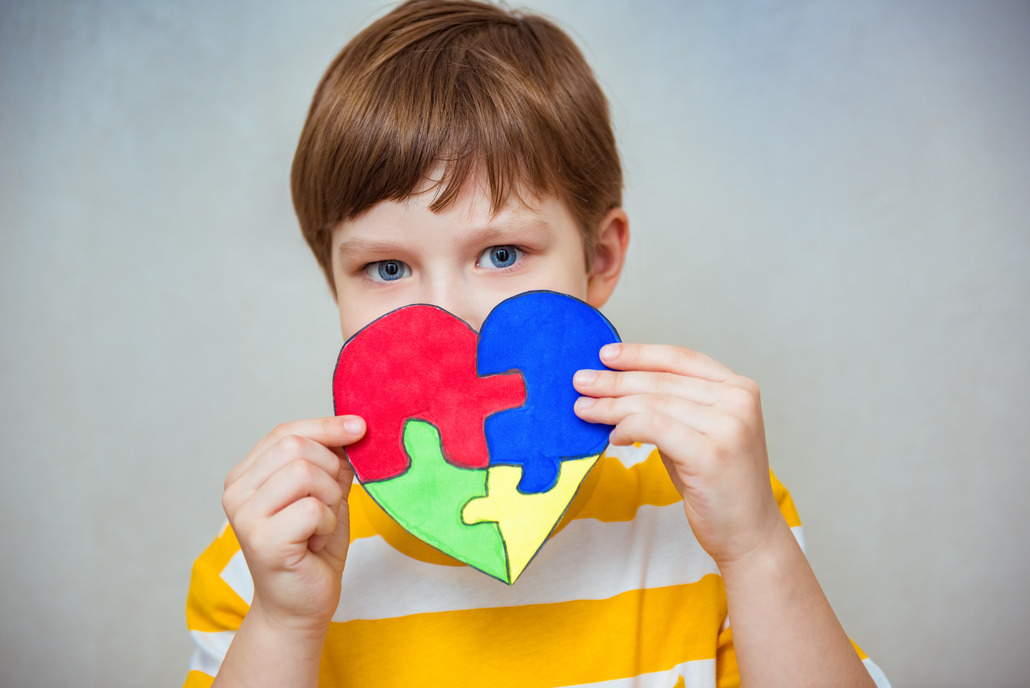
{"points": [[466, 259]]}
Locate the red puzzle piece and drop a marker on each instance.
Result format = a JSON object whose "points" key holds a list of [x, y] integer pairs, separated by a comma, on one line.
{"points": [[418, 362]]}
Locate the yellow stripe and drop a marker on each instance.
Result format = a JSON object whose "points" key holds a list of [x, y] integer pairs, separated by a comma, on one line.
{"points": [[212, 605], [611, 499], [611, 492], [360, 504], [198, 679], [783, 498], [727, 675], [861, 655], [619, 490], [541, 645]]}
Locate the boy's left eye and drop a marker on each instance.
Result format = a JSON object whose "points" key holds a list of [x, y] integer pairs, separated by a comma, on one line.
{"points": [[499, 257], [387, 270]]}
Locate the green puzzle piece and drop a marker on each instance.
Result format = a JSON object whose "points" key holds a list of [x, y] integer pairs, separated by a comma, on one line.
{"points": [[433, 494]]}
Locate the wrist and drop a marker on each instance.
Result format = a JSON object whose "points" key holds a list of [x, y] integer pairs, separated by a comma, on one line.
{"points": [[300, 634], [774, 556], [266, 651]]}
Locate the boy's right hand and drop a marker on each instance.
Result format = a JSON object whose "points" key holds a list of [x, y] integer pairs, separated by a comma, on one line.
{"points": [[287, 503]]}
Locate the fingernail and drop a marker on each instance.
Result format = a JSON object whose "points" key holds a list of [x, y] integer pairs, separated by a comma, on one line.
{"points": [[584, 402], [354, 426], [609, 352], [584, 377]]}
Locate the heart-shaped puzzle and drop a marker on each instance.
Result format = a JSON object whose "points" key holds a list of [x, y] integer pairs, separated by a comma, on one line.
{"points": [[472, 444]]}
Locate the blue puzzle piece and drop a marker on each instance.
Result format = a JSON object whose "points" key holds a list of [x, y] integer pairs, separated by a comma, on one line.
{"points": [[548, 337]]}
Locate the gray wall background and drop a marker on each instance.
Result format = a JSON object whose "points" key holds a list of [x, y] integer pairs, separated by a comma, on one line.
{"points": [[830, 197]]}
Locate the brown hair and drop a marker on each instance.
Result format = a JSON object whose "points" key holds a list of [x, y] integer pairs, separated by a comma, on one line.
{"points": [[474, 86]]}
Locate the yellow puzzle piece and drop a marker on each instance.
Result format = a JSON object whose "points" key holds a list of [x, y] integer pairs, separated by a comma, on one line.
{"points": [[525, 520]]}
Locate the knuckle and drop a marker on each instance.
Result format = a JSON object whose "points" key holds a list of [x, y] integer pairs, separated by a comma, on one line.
{"points": [[603, 405], [337, 495], [751, 387], [302, 471], [666, 383], [684, 354], [280, 431], [615, 382], [743, 400], [293, 445], [732, 429], [662, 403], [310, 509], [625, 355], [658, 423], [683, 361], [229, 502], [738, 399]]}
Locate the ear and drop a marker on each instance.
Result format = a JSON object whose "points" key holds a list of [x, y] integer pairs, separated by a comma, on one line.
{"points": [[609, 256]]}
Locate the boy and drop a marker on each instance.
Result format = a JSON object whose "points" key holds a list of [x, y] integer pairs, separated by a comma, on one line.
{"points": [[457, 154]]}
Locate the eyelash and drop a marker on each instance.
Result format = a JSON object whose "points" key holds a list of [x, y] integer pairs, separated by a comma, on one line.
{"points": [[366, 270], [405, 270], [519, 252]]}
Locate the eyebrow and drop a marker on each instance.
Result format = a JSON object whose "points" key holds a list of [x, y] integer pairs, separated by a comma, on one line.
{"points": [[486, 233], [363, 245], [491, 232]]}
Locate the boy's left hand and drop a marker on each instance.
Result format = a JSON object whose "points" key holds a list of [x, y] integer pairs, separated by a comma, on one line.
{"points": [[707, 424]]}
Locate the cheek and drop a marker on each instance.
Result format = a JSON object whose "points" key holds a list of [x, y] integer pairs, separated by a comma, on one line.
{"points": [[570, 278], [351, 320]]}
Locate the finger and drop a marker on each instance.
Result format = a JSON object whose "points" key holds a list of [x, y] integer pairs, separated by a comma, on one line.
{"points": [[607, 383], [296, 481], [613, 410], [289, 448], [331, 432], [664, 357], [661, 431], [301, 521], [337, 543]]}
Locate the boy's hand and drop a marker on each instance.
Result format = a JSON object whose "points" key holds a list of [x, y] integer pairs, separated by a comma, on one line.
{"points": [[287, 503], [707, 424]]}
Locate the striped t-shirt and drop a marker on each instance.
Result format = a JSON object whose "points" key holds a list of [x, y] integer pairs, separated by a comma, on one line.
{"points": [[621, 595]]}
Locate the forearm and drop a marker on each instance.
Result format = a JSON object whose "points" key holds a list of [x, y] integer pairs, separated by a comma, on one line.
{"points": [[784, 631], [264, 655]]}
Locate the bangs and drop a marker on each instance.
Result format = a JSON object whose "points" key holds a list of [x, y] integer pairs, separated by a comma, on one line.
{"points": [[436, 100]]}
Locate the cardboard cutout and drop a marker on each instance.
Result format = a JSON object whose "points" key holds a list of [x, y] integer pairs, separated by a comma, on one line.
{"points": [[472, 444]]}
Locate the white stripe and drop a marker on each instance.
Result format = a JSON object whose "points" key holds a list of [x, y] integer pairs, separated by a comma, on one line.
{"points": [[209, 650], [799, 535], [589, 559], [556, 575], [696, 674], [876, 673], [237, 576]]}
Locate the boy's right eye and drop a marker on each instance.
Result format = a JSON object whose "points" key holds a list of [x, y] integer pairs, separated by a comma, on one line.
{"points": [[387, 270]]}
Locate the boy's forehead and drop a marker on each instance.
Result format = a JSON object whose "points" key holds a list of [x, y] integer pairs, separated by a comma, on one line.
{"points": [[472, 211], [391, 222]]}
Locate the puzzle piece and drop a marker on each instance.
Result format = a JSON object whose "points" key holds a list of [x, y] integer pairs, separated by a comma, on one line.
{"points": [[525, 520], [435, 493], [548, 336], [418, 362]]}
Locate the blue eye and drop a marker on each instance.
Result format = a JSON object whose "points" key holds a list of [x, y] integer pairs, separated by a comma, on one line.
{"points": [[387, 270], [500, 256]]}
